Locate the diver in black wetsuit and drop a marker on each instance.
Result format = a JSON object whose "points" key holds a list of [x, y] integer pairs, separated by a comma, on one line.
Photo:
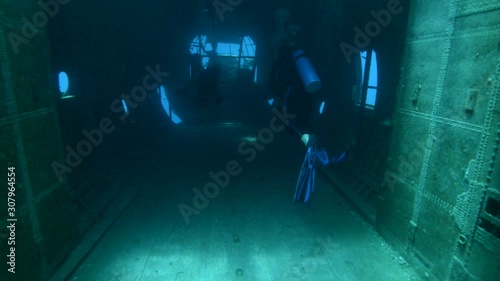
{"points": [[207, 86], [292, 81], [289, 93]]}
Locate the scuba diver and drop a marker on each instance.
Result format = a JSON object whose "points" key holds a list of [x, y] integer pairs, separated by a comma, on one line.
{"points": [[293, 80], [207, 85], [289, 93], [208, 79]]}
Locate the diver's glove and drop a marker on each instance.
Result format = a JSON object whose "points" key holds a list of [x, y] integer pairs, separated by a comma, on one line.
{"points": [[305, 139], [311, 141]]}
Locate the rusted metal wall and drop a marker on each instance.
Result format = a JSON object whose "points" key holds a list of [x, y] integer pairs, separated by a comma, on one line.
{"points": [[441, 168], [30, 142]]}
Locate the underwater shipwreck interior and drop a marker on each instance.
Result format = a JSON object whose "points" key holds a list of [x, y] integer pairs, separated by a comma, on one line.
{"points": [[253, 140]]}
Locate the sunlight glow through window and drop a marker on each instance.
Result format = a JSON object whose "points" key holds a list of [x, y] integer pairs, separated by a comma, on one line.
{"points": [[371, 95], [63, 82], [166, 106]]}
